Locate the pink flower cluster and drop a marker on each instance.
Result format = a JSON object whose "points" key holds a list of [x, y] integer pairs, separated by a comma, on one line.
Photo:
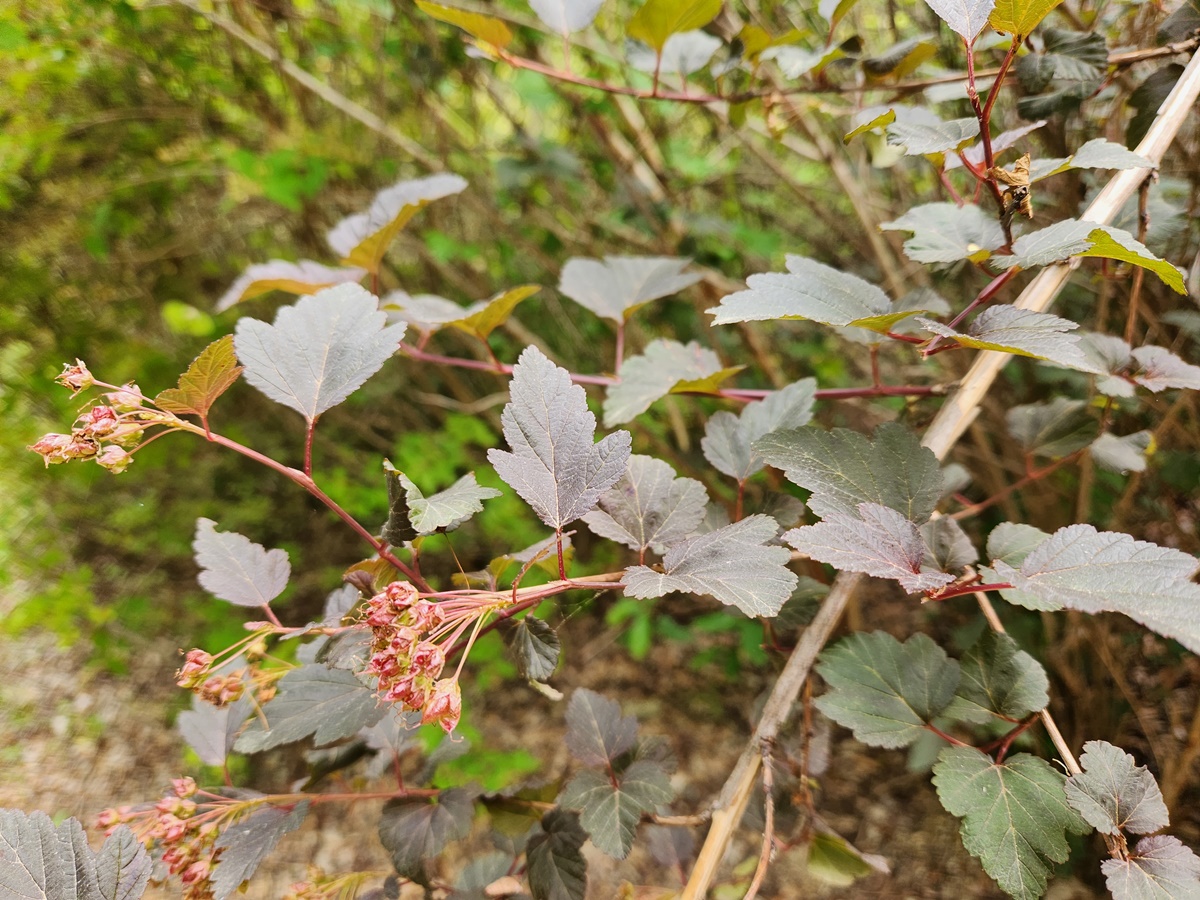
{"points": [[219, 690], [409, 664], [187, 841], [103, 433]]}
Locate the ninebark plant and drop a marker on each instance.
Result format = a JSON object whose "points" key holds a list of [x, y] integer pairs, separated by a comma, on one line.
{"points": [[393, 645]]}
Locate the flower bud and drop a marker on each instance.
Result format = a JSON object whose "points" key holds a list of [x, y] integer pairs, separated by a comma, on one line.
{"points": [[76, 377]]}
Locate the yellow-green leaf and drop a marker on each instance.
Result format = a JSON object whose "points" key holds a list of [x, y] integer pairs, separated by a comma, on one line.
{"points": [[883, 323], [483, 28], [833, 861], [1020, 17], [880, 121], [207, 378], [709, 384], [1106, 245], [495, 312], [657, 20]]}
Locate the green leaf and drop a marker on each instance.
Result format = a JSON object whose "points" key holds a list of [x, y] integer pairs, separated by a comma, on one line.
{"points": [[1122, 454], [1147, 98], [966, 18], [947, 232], [1115, 794], [882, 120], [1160, 868], [328, 704], [1022, 332], [210, 375], [557, 869], [998, 679], [484, 28], [810, 290], [446, 510], [1015, 815], [303, 277], [682, 54], [735, 564], [877, 541], [919, 137], [1068, 71], [1054, 429], [1103, 571], [1113, 243], [902, 58], [398, 529], [597, 733], [485, 316], [728, 439], [413, 831], [663, 365], [833, 861], [1020, 17], [885, 691], [1012, 542], [649, 507], [363, 238], [833, 11], [796, 62], [1098, 153], [536, 647], [843, 468], [657, 20], [610, 812]]}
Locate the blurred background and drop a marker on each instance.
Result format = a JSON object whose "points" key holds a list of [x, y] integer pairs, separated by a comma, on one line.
{"points": [[150, 151]]}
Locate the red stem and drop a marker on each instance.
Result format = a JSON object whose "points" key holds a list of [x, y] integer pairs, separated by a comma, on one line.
{"points": [[972, 588], [1035, 475], [309, 431], [993, 287]]}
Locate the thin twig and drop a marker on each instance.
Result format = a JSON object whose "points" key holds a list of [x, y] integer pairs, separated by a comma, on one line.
{"points": [[768, 840]]}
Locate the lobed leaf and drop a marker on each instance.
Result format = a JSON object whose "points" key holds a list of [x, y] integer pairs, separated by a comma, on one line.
{"points": [[1098, 153], [318, 352], [734, 564], [1053, 429], [1014, 815], [613, 288], [246, 843], [869, 123], [565, 16], [662, 366], [445, 510], [1159, 369], [1122, 454], [211, 731], [682, 54], [210, 375], [843, 468], [966, 18], [554, 465], [597, 733], [1114, 794], [609, 811], [998, 679], [303, 277], [536, 647], [328, 704], [1160, 868], [884, 691], [947, 232], [363, 238], [483, 317], [556, 867], [1023, 332], [810, 290], [415, 830], [1020, 17], [1094, 571], [728, 439], [947, 547], [1113, 243], [1011, 542], [919, 138], [1067, 71], [878, 541], [1001, 142], [902, 58], [648, 507], [657, 20], [123, 866], [235, 569]]}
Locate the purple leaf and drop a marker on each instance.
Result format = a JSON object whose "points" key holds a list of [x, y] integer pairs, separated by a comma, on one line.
{"points": [[415, 830], [246, 843], [319, 351], [597, 733], [649, 507], [555, 466], [235, 569]]}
